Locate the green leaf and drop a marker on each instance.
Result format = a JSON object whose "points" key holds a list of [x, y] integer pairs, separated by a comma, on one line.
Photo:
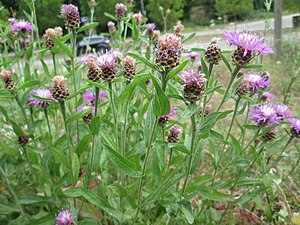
{"points": [[217, 135], [180, 147], [63, 47], [95, 84], [211, 194], [201, 50], [235, 144], [143, 60], [135, 30], [87, 27], [110, 16], [44, 99], [29, 51], [17, 129], [59, 156], [189, 37], [248, 99], [149, 123], [79, 115], [26, 199], [187, 211], [29, 84], [66, 37], [176, 70], [8, 151], [27, 75], [225, 61], [75, 167], [84, 144], [122, 163], [204, 67], [161, 103], [95, 125], [94, 199], [188, 112], [45, 68], [253, 66], [137, 149]]}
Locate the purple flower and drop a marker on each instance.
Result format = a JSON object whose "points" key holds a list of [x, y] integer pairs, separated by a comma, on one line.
{"points": [[111, 26], [267, 96], [65, 217], [23, 26], [264, 114], [150, 28], [193, 55], [249, 41], [81, 108], [174, 133], [295, 126], [42, 93], [172, 113], [88, 96], [175, 130], [120, 10], [282, 111], [84, 59], [71, 15], [12, 20], [107, 59], [257, 81], [117, 54]]}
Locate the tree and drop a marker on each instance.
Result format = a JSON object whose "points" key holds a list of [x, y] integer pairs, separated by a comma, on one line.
{"points": [[175, 7], [234, 8]]}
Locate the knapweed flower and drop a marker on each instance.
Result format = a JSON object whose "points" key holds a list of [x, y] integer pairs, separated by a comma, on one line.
{"points": [[207, 110], [59, 90], [88, 96], [120, 10], [264, 114], [84, 59], [243, 88], [138, 17], [107, 62], [129, 2], [193, 55], [23, 140], [174, 133], [282, 111], [71, 16], [266, 96], [129, 66], [22, 26], [212, 55], [194, 83], [168, 48], [178, 29], [270, 135], [247, 43], [111, 27], [257, 80], [118, 55], [42, 93], [199, 67], [164, 119], [295, 126], [87, 118], [150, 28], [156, 34], [12, 20], [94, 71], [49, 34], [65, 217], [7, 77]]}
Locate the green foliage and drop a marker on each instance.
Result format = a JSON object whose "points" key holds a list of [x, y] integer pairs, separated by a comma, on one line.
{"points": [[291, 5], [176, 13], [233, 8]]}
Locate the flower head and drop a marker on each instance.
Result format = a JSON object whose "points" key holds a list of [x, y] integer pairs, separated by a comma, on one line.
{"points": [[282, 111], [65, 217], [120, 10], [23, 26], [266, 96], [178, 29], [50, 33], [257, 81], [88, 96], [168, 50], [164, 119], [71, 16], [174, 133], [43, 93], [193, 55], [111, 26], [59, 90], [295, 126], [150, 28], [249, 41], [264, 114], [212, 53], [138, 17], [107, 62], [194, 83], [129, 66]]}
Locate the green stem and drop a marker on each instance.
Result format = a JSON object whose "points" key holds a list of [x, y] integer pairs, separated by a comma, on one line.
{"points": [[54, 64], [227, 137], [144, 170], [90, 31], [114, 113], [210, 80], [24, 113], [96, 100], [63, 112], [47, 119], [74, 35], [164, 80], [233, 76]]}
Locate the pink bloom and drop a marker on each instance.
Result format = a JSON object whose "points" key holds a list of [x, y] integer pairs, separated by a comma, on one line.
{"points": [[65, 217], [295, 126], [193, 55], [42, 93], [257, 81], [172, 113], [88, 96], [249, 41], [264, 115], [282, 111], [23, 26]]}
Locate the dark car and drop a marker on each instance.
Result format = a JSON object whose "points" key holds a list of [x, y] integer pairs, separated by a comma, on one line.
{"points": [[97, 42]]}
